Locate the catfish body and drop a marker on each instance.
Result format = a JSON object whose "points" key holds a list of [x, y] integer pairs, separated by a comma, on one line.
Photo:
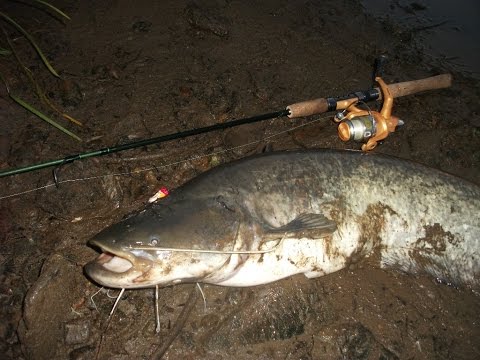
{"points": [[314, 212]]}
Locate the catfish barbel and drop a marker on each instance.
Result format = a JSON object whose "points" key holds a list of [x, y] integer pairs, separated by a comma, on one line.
{"points": [[267, 217]]}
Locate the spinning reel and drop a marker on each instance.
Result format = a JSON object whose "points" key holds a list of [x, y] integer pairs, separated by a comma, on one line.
{"points": [[367, 126]]}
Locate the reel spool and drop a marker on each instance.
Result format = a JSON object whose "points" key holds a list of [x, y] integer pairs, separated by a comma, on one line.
{"points": [[367, 126]]}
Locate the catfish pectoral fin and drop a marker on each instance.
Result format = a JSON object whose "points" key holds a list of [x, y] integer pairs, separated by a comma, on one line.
{"points": [[306, 226]]}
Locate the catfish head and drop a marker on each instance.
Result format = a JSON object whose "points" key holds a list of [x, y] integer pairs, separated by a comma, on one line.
{"points": [[158, 245]]}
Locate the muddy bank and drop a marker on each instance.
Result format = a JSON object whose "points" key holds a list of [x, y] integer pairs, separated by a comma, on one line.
{"points": [[139, 70]]}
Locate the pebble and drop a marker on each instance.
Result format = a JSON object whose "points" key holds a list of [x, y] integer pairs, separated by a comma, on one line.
{"points": [[77, 332]]}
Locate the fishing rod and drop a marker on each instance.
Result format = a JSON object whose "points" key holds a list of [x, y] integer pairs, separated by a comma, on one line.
{"points": [[354, 123]]}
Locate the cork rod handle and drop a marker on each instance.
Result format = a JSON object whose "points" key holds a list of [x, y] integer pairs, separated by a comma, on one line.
{"points": [[320, 106]]}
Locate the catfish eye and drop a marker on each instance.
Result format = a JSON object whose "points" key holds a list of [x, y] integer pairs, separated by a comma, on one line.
{"points": [[154, 242], [221, 200]]}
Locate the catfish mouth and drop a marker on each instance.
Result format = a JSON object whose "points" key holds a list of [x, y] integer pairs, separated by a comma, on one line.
{"points": [[113, 262], [117, 268]]}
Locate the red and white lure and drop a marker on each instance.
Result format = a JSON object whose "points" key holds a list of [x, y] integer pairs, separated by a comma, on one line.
{"points": [[163, 192]]}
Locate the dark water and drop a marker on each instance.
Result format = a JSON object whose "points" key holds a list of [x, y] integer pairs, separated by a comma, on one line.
{"points": [[443, 29]]}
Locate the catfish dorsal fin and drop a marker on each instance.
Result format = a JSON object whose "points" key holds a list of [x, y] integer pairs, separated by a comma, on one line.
{"points": [[307, 226]]}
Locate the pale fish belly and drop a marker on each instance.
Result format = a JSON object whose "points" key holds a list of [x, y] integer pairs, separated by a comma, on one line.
{"points": [[291, 257]]}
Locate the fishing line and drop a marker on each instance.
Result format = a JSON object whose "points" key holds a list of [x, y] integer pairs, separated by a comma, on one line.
{"points": [[221, 252], [157, 311], [117, 301], [95, 294], [107, 325], [111, 296], [88, 178], [178, 326], [203, 296]]}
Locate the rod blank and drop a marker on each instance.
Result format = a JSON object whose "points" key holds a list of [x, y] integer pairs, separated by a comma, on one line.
{"points": [[301, 109]]}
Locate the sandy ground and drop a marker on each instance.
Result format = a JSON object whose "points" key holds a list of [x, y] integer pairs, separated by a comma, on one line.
{"points": [[133, 70]]}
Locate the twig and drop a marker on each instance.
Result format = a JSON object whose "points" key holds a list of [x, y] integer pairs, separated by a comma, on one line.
{"points": [[180, 323]]}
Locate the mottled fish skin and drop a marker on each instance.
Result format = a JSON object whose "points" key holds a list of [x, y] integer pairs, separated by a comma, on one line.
{"points": [[331, 208]]}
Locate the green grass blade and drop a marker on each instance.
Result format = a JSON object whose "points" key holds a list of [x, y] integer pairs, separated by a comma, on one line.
{"points": [[32, 41], [43, 116], [53, 8], [5, 52]]}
